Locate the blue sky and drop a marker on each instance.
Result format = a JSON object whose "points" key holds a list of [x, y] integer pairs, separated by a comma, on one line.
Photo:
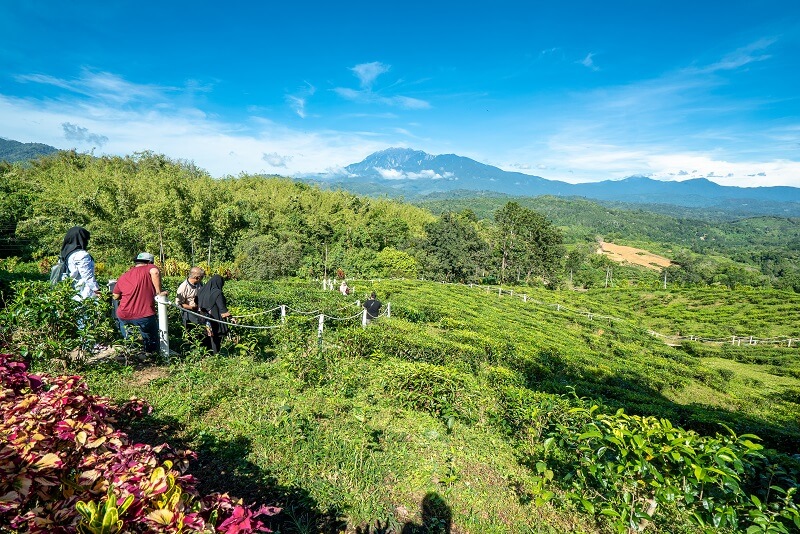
{"points": [[573, 91]]}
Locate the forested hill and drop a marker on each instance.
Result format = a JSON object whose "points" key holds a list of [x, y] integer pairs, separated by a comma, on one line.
{"points": [[269, 226], [13, 151], [265, 227], [769, 243]]}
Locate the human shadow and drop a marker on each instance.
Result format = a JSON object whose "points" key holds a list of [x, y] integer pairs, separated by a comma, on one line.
{"points": [[222, 466], [436, 517]]}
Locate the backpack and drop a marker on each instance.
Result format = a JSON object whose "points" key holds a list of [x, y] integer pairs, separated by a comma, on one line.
{"points": [[59, 271]]}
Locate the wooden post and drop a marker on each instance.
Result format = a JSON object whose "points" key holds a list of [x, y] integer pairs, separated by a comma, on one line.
{"points": [[283, 313], [319, 330]]}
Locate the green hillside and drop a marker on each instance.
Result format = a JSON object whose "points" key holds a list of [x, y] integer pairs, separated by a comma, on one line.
{"points": [[13, 151], [457, 396]]}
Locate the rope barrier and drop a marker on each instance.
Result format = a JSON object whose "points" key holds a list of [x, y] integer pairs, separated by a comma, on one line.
{"points": [[211, 319], [255, 314], [302, 312], [734, 340], [343, 318]]}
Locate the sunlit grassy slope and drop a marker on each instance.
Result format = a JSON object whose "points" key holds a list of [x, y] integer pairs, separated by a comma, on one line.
{"points": [[430, 402]]}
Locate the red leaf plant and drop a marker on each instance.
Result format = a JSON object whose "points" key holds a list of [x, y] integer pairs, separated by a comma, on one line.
{"points": [[64, 468]]}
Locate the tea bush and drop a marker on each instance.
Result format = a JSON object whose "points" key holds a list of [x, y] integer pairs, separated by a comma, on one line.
{"points": [[625, 467], [45, 324]]}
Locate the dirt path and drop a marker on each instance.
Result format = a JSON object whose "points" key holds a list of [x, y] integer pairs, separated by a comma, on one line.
{"points": [[636, 256]]}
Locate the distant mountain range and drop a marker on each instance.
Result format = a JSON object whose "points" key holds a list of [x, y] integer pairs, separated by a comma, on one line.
{"points": [[13, 151], [416, 175], [413, 173]]}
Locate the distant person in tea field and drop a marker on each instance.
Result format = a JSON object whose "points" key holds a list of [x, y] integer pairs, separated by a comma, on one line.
{"points": [[80, 264], [373, 307], [344, 289], [212, 303], [136, 291]]}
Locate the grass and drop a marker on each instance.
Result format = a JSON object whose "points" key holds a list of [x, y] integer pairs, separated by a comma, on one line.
{"points": [[430, 404]]}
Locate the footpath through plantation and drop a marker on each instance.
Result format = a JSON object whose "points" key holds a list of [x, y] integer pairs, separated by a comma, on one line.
{"points": [[465, 411]]}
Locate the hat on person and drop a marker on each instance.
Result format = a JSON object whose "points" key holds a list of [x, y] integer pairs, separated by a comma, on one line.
{"points": [[144, 257]]}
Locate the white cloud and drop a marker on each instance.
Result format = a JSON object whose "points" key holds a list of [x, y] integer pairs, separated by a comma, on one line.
{"points": [[368, 72], [368, 97], [103, 86], [591, 162], [743, 56], [73, 132], [425, 174], [588, 62], [276, 160], [298, 104], [298, 100], [221, 147]]}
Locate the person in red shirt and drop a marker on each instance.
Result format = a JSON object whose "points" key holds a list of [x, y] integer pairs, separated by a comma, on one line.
{"points": [[136, 291]]}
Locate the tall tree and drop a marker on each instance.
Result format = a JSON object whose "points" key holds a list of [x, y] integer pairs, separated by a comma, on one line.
{"points": [[451, 248], [528, 244]]}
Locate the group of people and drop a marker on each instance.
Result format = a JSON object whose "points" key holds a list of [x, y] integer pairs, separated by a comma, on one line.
{"points": [[204, 313], [134, 294]]}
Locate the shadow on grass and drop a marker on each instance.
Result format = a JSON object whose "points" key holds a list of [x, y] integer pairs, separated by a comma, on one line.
{"points": [[554, 375], [222, 466], [435, 518]]}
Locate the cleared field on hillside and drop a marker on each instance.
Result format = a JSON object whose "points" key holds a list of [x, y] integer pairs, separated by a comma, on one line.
{"points": [[633, 255]]}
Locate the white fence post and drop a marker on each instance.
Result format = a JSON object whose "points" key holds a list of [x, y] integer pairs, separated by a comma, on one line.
{"points": [[163, 327], [388, 309], [364, 318], [790, 343], [319, 330], [499, 291], [733, 340], [283, 313], [524, 298]]}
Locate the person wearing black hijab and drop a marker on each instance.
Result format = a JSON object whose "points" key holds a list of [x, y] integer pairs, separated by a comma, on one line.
{"points": [[211, 302], [80, 265]]}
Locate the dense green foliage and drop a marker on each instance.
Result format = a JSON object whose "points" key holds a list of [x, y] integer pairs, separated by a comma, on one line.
{"points": [[262, 227], [755, 251], [483, 400]]}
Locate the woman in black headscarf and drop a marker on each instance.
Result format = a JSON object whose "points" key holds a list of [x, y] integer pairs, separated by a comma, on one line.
{"points": [[80, 265], [211, 302]]}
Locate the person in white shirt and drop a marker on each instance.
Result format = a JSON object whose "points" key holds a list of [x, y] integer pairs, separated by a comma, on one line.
{"points": [[80, 264], [343, 289]]}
